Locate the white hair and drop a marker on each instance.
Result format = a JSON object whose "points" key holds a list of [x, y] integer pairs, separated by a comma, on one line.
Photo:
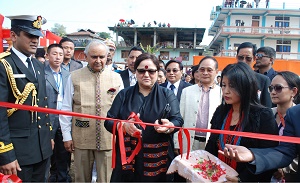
{"points": [[95, 42]]}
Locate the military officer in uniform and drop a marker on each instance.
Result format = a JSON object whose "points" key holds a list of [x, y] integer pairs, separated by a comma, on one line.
{"points": [[25, 136]]}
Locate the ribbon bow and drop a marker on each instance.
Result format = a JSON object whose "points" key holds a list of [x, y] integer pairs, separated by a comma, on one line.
{"points": [[121, 133], [9, 178]]}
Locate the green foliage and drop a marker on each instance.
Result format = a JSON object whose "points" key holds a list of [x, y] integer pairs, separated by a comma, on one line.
{"points": [[104, 35], [149, 49], [59, 30]]}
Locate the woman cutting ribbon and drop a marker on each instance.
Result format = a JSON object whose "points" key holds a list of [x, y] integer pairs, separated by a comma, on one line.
{"points": [[147, 99]]}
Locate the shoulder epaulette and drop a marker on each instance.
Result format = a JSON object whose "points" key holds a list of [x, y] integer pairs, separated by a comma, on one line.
{"points": [[4, 54]]}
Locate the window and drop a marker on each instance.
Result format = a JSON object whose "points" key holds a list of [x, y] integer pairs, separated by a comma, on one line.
{"points": [[255, 17], [164, 55], [184, 56], [283, 46], [282, 24], [282, 18], [281, 21], [124, 53]]}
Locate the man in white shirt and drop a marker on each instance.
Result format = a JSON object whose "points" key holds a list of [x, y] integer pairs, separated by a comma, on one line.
{"points": [[198, 103], [56, 79]]}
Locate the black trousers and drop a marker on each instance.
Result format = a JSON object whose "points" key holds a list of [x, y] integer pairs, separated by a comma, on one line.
{"points": [[60, 160], [34, 172]]}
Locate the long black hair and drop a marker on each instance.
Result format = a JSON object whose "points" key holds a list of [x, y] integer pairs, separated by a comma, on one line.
{"points": [[242, 79]]}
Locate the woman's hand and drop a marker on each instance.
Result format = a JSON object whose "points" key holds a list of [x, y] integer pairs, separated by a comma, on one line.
{"points": [[279, 175], [232, 179], [131, 129], [161, 129]]}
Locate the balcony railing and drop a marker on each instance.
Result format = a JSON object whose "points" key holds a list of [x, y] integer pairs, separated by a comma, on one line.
{"points": [[260, 30], [279, 55]]}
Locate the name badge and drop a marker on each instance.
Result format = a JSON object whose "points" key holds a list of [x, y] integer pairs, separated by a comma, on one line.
{"points": [[19, 76]]}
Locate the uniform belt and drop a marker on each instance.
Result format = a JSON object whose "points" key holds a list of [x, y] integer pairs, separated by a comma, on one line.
{"points": [[200, 139]]}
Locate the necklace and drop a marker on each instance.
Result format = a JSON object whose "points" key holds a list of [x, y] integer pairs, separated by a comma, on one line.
{"points": [[235, 119]]}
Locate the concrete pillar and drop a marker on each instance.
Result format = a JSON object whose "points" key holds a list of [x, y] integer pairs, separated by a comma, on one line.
{"points": [[117, 36], [135, 38], [154, 38], [195, 39], [175, 39]]}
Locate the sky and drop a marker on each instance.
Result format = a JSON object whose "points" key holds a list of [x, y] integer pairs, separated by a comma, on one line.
{"points": [[98, 15]]}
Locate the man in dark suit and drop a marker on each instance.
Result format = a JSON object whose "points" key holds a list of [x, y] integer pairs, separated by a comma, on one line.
{"points": [[56, 79], [69, 64], [246, 52], [271, 158], [174, 70], [128, 75], [25, 136], [265, 58]]}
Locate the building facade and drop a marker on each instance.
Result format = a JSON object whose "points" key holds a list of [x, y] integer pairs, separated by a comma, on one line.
{"points": [[276, 25], [171, 42]]}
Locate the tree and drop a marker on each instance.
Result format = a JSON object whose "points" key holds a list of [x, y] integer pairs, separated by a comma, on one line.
{"points": [[149, 49], [104, 35], [59, 30]]}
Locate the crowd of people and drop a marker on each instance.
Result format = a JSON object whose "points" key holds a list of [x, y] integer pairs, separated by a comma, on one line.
{"points": [[242, 3], [38, 146]]}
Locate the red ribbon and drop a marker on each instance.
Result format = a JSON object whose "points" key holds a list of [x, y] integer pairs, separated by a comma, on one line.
{"points": [[289, 139], [9, 178], [122, 148], [187, 135]]}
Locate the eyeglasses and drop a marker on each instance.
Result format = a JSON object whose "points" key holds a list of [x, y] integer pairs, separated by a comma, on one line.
{"points": [[260, 55], [174, 70], [277, 88], [143, 71], [241, 58], [209, 70]]}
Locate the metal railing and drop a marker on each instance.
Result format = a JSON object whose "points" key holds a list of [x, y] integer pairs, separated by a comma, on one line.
{"points": [[279, 55], [260, 30]]}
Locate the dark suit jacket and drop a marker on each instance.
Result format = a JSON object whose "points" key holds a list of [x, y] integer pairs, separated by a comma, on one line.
{"points": [[182, 85], [263, 82], [30, 138], [125, 77], [270, 74], [282, 155], [261, 120], [74, 65], [52, 93]]}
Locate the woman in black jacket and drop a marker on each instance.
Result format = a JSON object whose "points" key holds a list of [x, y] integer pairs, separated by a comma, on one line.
{"points": [[240, 111], [147, 99]]}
